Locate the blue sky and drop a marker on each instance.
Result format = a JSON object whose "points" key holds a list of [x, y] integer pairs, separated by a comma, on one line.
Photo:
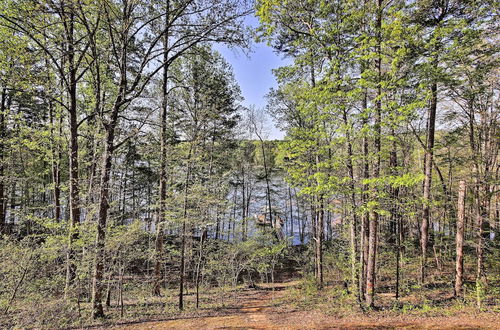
{"points": [[254, 75]]}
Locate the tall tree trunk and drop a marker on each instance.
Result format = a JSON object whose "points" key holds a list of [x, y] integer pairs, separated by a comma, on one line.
{"points": [[184, 230], [372, 250], [314, 231], [481, 216], [163, 162], [74, 190], [243, 204], [428, 164], [248, 201], [399, 242], [13, 204], [319, 240], [373, 218], [291, 214], [300, 220], [363, 256], [266, 175], [268, 184], [219, 226], [459, 264], [352, 195], [233, 217], [395, 220], [3, 136], [198, 268], [56, 162], [97, 285]]}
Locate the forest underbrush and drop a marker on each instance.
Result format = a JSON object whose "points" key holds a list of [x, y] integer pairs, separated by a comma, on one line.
{"points": [[295, 295]]}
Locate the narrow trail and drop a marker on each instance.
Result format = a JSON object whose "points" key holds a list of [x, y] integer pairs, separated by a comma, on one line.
{"points": [[260, 309], [252, 312]]}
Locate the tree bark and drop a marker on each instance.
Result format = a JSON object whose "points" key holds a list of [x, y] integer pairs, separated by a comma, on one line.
{"points": [[163, 163], [266, 174], [395, 220], [319, 243], [363, 256], [481, 215], [183, 232], [372, 250], [243, 204], [268, 185], [354, 220], [56, 162], [429, 155], [373, 217], [3, 136], [74, 189], [198, 269], [97, 286], [459, 264], [292, 234]]}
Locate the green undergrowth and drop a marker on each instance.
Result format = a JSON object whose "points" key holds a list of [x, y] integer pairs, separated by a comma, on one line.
{"points": [[335, 299]]}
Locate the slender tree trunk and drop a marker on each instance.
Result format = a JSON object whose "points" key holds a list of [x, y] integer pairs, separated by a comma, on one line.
{"points": [[291, 214], [74, 190], [372, 246], [198, 269], [120, 289], [354, 221], [429, 155], [481, 215], [300, 220], [395, 216], [398, 254], [109, 147], [266, 174], [163, 163], [363, 256], [108, 291], [248, 201], [319, 243], [219, 226], [74, 193], [268, 185], [459, 265], [56, 162], [243, 204], [98, 109], [235, 193], [3, 136], [314, 232], [13, 203], [183, 232], [373, 217]]}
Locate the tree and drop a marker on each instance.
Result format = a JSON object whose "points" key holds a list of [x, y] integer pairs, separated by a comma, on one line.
{"points": [[186, 26], [474, 89], [206, 104], [65, 46], [439, 24]]}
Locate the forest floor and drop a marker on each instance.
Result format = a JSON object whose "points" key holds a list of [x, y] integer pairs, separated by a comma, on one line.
{"points": [[265, 308]]}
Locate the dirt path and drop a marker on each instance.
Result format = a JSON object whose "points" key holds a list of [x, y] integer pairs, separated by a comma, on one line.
{"points": [[259, 309], [252, 312]]}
